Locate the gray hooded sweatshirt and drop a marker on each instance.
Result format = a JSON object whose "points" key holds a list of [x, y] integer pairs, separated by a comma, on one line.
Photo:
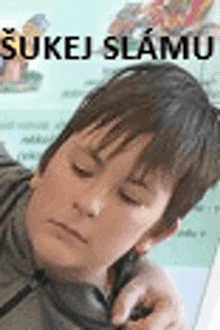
{"points": [[28, 299]]}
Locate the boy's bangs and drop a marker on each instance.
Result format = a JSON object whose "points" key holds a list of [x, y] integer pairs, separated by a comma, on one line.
{"points": [[165, 156], [158, 156], [118, 132]]}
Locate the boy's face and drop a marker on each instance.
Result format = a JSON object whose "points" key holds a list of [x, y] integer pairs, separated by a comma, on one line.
{"points": [[86, 212]]}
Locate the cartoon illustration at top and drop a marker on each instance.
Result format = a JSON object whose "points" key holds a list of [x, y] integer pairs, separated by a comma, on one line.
{"points": [[166, 17], [15, 75]]}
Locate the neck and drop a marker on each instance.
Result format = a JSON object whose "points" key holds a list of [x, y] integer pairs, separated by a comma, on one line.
{"points": [[101, 278]]}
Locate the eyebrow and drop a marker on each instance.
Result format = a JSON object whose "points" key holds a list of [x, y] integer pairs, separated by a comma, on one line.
{"points": [[93, 154], [149, 187], [136, 182]]}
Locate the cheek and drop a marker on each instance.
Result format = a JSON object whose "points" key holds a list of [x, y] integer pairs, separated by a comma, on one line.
{"points": [[118, 233], [131, 221], [126, 226], [140, 219], [122, 229], [57, 187]]}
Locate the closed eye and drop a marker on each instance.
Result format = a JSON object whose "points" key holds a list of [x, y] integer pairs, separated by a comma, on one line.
{"points": [[81, 172], [128, 199]]}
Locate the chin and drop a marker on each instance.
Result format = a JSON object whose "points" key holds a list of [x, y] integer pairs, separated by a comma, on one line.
{"points": [[51, 254]]}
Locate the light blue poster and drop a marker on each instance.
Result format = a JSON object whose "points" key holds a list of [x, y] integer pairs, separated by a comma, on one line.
{"points": [[68, 48]]}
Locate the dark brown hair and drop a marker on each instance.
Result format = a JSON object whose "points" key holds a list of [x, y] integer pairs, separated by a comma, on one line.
{"points": [[167, 101]]}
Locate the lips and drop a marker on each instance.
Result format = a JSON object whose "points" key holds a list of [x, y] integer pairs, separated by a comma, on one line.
{"points": [[69, 230]]}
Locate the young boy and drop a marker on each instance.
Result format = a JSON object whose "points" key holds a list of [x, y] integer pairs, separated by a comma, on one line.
{"points": [[138, 154]]}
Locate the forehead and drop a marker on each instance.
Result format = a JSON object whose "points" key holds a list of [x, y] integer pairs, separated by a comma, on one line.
{"points": [[110, 140]]}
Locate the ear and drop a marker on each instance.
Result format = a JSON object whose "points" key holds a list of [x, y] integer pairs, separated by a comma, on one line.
{"points": [[34, 181], [147, 241]]}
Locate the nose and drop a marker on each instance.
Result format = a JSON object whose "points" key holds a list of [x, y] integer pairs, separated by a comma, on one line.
{"points": [[91, 201]]}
